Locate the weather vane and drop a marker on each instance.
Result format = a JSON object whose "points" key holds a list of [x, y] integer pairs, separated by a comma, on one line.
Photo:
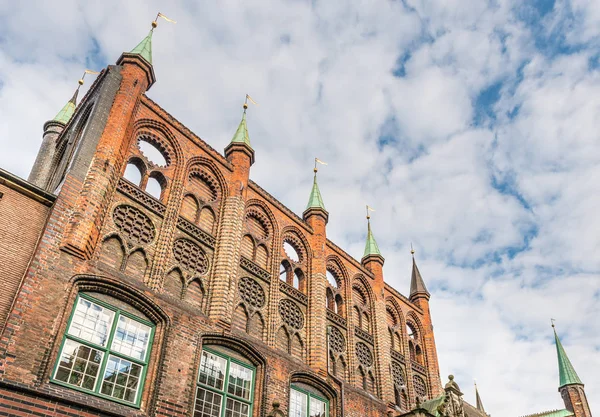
{"points": [[159, 14]]}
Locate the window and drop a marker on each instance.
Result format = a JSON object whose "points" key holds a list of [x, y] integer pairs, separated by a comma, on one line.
{"points": [[225, 387], [104, 352], [305, 404]]}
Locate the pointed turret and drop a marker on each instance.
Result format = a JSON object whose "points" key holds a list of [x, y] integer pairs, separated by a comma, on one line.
{"points": [[240, 142], [417, 285], [65, 114], [570, 386], [567, 373], [144, 48], [315, 201], [372, 251], [478, 401]]}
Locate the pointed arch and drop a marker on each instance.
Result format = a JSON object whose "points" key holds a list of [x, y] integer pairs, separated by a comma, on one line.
{"points": [[163, 137], [190, 207], [262, 256], [360, 281], [207, 220], [137, 264], [261, 205], [112, 251], [195, 293], [240, 317], [283, 339], [247, 247], [340, 368], [293, 235], [256, 326], [297, 346], [337, 267], [173, 284], [198, 163]]}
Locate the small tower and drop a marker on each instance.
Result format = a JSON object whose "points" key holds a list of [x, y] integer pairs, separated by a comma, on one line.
{"points": [[52, 129], [315, 204], [372, 255], [570, 386], [420, 297], [240, 153]]}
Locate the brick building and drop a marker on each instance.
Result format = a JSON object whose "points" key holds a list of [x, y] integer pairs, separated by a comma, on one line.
{"points": [[144, 273]]}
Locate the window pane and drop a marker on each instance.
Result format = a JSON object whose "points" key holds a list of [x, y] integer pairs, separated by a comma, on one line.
{"points": [[212, 370], [317, 408], [131, 338], [208, 404], [121, 379], [79, 365], [91, 322], [297, 403], [236, 408], [240, 381]]}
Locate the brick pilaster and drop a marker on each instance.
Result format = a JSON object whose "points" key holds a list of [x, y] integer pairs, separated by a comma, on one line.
{"points": [[317, 314], [107, 162], [383, 358], [40, 172], [575, 400], [433, 368]]}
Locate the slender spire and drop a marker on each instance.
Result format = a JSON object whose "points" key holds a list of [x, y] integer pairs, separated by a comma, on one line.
{"points": [[144, 48], [566, 371], [371, 247], [478, 401], [315, 200], [417, 285], [241, 134], [65, 114]]}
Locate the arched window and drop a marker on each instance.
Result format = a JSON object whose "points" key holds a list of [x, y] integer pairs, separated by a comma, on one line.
{"points": [[133, 173], [154, 155], [334, 288], [294, 261], [411, 332], [305, 401], [331, 279], [154, 188], [105, 350], [225, 384]]}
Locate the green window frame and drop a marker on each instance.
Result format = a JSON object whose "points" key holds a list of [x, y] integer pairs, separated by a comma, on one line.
{"points": [[224, 386], [104, 352], [307, 404]]}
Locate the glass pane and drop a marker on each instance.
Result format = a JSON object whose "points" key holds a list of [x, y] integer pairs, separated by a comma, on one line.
{"points": [[131, 338], [212, 370], [78, 365], [208, 404], [240, 381], [298, 404], [236, 408], [121, 379], [317, 408], [91, 322]]}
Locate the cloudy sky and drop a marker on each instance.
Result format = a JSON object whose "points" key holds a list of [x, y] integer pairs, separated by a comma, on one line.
{"points": [[471, 126]]}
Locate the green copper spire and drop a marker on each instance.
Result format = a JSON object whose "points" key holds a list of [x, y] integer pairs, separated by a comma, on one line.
{"points": [[241, 134], [65, 114], [371, 247], [315, 200], [566, 371], [144, 48]]}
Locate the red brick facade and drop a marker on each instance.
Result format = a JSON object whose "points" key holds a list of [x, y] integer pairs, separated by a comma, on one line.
{"points": [[205, 264]]}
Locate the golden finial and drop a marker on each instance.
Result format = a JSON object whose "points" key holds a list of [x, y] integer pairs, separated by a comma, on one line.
{"points": [[155, 21], [412, 251], [318, 161], [87, 71], [552, 321], [368, 210]]}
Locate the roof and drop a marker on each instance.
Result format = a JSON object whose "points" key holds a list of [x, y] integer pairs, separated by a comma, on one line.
{"points": [[315, 200], [241, 134], [65, 114], [566, 371], [144, 48], [417, 285], [553, 413], [371, 247]]}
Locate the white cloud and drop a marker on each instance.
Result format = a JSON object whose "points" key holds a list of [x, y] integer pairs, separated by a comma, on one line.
{"points": [[500, 257]]}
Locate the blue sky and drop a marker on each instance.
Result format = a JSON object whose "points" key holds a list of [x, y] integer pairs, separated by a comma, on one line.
{"points": [[471, 126]]}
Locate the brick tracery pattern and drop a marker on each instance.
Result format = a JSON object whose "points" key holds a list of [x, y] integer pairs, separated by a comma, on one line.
{"points": [[337, 342], [363, 353], [190, 256], [251, 292], [291, 314], [134, 224], [420, 387], [398, 375]]}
